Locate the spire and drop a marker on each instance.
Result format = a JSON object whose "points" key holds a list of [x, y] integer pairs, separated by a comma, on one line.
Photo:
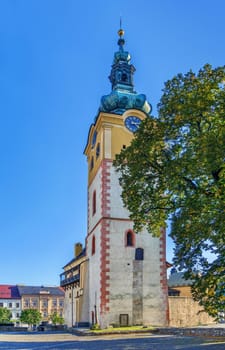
{"points": [[121, 41], [122, 71], [123, 96]]}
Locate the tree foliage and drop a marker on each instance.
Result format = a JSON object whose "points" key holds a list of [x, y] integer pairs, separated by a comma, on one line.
{"points": [[5, 315], [174, 170], [30, 316], [56, 319]]}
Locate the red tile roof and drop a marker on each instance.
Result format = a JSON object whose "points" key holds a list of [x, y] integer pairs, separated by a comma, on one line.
{"points": [[9, 292]]}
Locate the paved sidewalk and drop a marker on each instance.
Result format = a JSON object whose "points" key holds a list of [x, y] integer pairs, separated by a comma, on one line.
{"points": [[37, 337]]}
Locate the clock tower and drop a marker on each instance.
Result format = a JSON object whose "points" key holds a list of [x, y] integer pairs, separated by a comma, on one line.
{"points": [[127, 270]]}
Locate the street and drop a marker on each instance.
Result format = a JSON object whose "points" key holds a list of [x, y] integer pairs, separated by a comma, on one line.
{"points": [[65, 341]]}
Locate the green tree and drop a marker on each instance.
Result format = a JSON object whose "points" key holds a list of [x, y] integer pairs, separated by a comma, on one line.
{"points": [[5, 315], [30, 316], [174, 170], [56, 319]]}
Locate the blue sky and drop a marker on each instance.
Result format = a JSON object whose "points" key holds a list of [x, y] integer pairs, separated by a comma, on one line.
{"points": [[55, 59]]}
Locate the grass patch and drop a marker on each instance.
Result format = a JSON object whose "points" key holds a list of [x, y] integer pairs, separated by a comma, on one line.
{"points": [[122, 329]]}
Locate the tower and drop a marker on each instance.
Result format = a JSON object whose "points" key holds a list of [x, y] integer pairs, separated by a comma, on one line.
{"points": [[127, 270]]}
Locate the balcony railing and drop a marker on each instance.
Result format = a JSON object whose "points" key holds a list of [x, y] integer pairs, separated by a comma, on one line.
{"points": [[69, 280]]}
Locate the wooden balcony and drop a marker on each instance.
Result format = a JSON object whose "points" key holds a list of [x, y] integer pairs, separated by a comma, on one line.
{"points": [[69, 280]]}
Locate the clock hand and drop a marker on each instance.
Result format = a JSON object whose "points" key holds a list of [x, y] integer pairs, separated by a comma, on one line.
{"points": [[135, 123]]}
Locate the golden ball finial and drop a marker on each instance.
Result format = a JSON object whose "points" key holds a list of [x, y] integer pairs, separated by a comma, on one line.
{"points": [[121, 32]]}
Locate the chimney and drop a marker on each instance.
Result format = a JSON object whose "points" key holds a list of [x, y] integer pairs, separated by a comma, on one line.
{"points": [[77, 249]]}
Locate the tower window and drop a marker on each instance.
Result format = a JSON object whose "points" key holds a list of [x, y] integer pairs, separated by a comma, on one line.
{"points": [[124, 77], [93, 245], [94, 203], [94, 138], [129, 239], [98, 150], [139, 254]]}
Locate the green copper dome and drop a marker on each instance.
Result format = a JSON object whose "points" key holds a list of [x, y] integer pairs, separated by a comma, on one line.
{"points": [[123, 96]]}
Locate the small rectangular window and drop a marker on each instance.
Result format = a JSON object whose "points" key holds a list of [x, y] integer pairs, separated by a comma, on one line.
{"points": [[93, 245], [139, 254], [34, 302], [97, 150], [26, 302], [61, 303], [54, 303], [94, 203]]}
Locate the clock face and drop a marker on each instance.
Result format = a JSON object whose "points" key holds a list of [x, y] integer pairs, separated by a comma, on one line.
{"points": [[132, 123]]}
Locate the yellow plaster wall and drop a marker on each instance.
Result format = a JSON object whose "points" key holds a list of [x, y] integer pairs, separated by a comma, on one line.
{"points": [[185, 291], [74, 263], [120, 136]]}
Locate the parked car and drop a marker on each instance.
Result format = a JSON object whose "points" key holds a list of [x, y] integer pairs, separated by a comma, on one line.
{"points": [[44, 326]]}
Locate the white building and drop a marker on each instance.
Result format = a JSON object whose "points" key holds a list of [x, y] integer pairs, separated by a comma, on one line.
{"points": [[10, 299]]}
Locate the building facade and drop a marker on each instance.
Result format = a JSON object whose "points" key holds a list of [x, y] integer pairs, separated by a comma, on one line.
{"points": [[47, 300], [127, 283], [74, 281], [10, 299]]}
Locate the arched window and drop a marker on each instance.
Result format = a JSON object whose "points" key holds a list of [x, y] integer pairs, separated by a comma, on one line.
{"points": [[118, 75], [139, 254], [94, 203], [124, 77], [93, 245], [129, 239]]}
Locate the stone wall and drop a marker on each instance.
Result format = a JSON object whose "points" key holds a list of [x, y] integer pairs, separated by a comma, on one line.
{"points": [[185, 312], [213, 331]]}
